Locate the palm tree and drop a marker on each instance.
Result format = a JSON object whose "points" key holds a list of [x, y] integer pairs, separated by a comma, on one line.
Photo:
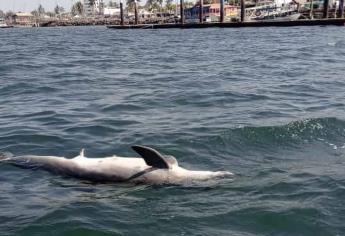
{"points": [[131, 4], [40, 10], [188, 4], [61, 10], [77, 9], [9, 14], [152, 5], [51, 14], [35, 13], [160, 4], [56, 10], [169, 5], [80, 8], [112, 4]]}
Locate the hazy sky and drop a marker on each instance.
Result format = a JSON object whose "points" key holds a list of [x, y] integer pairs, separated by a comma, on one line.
{"points": [[29, 5]]}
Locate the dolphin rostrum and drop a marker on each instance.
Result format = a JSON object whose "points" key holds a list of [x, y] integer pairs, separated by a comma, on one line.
{"points": [[152, 168]]}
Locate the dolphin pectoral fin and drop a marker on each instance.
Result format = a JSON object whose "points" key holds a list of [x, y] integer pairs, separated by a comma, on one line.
{"points": [[152, 157], [140, 173]]}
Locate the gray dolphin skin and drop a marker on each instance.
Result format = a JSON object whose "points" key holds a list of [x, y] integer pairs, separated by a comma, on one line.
{"points": [[151, 168]]}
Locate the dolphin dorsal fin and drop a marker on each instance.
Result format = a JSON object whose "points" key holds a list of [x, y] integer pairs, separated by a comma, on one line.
{"points": [[82, 151], [152, 157]]}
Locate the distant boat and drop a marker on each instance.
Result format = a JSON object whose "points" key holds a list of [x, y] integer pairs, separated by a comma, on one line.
{"points": [[4, 25]]}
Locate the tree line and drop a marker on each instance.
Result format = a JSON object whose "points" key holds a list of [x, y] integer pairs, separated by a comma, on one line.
{"points": [[78, 7]]}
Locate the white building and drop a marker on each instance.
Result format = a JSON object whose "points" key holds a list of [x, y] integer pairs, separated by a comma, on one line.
{"points": [[92, 9], [280, 3], [110, 11]]}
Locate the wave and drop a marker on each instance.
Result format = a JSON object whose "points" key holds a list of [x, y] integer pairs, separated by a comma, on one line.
{"points": [[328, 130]]}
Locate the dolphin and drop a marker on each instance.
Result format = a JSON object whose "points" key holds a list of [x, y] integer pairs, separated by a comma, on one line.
{"points": [[151, 168]]}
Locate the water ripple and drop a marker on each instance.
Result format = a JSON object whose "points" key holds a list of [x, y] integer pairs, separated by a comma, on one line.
{"points": [[268, 107]]}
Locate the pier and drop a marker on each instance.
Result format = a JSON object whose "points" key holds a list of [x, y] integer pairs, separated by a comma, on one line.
{"points": [[201, 15], [307, 22], [337, 19]]}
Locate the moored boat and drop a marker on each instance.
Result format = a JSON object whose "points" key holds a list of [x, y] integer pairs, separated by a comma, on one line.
{"points": [[272, 12], [4, 25]]}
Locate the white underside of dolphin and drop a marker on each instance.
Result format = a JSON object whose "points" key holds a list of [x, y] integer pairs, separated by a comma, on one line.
{"points": [[152, 168]]}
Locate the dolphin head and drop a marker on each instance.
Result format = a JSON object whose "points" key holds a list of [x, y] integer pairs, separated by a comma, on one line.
{"points": [[205, 175], [165, 169]]}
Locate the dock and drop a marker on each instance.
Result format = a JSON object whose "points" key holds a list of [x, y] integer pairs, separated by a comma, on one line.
{"points": [[304, 22]]}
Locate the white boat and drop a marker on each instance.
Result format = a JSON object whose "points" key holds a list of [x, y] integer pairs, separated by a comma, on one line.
{"points": [[4, 25], [272, 12]]}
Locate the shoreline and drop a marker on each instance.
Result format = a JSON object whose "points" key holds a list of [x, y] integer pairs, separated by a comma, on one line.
{"points": [[116, 24]]}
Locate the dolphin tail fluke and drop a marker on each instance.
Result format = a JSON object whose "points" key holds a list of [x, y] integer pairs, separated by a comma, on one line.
{"points": [[5, 156]]}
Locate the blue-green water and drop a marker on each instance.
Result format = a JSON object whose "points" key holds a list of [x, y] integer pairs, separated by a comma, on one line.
{"points": [[265, 103]]}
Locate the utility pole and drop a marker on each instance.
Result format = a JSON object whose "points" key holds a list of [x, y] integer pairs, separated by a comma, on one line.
{"points": [[341, 8], [221, 11], [311, 12], [201, 11], [182, 11], [243, 11], [325, 8], [121, 13], [135, 12]]}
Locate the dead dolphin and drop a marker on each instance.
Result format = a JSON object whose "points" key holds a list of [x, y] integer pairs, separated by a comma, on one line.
{"points": [[152, 168]]}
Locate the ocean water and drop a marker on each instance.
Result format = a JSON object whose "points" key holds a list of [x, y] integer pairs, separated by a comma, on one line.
{"points": [[265, 103]]}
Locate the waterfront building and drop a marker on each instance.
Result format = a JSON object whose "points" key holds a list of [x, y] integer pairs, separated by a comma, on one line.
{"points": [[95, 7], [22, 19], [211, 12], [146, 14], [111, 11]]}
